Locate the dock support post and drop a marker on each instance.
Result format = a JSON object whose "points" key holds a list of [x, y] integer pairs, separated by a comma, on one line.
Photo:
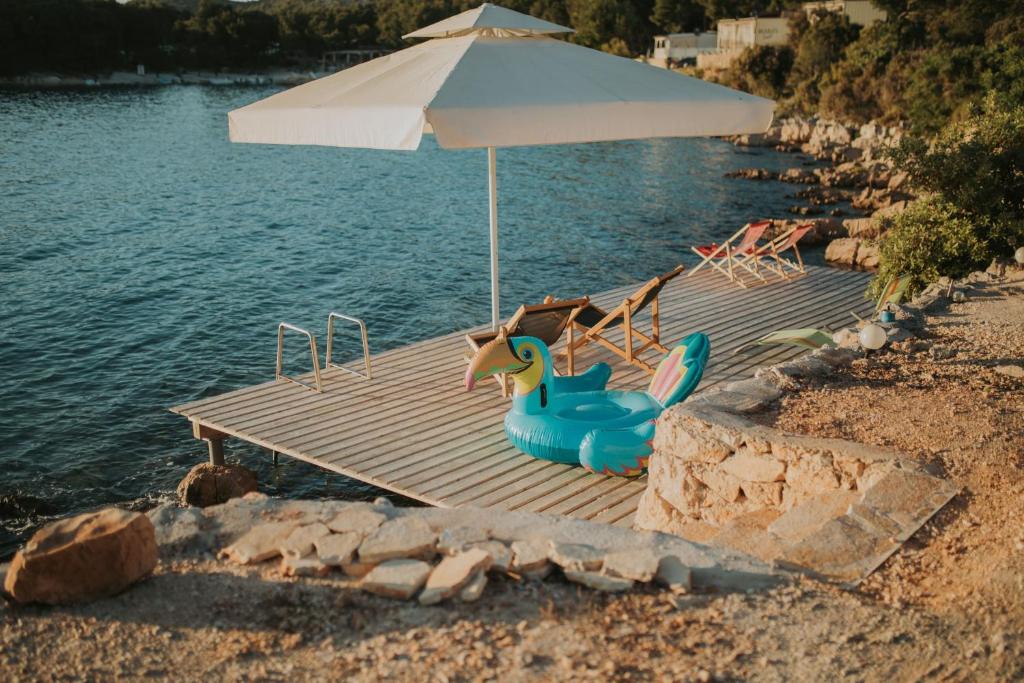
{"points": [[275, 457], [214, 441], [216, 451]]}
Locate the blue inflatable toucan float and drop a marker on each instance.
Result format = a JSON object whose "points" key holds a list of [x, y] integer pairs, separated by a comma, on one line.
{"points": [[575, 420]]}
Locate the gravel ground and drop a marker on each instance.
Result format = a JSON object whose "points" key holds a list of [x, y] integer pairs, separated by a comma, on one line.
{"points": [[948, 606]]}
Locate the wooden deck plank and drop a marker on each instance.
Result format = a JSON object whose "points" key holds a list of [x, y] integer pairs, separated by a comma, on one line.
{"points": [[429, 439]]}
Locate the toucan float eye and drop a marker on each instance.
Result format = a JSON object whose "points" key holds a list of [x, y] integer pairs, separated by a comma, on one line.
{"points": [[527, 354]]}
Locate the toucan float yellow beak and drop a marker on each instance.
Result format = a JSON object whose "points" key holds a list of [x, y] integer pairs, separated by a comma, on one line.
{"points": [[493, 358]]}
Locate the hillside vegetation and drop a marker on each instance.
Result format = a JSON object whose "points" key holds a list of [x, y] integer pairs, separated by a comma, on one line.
{"points": [[930, 62]]}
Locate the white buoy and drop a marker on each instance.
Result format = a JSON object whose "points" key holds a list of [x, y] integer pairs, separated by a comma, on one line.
{"points": [[872, 337], [1018, 256]]}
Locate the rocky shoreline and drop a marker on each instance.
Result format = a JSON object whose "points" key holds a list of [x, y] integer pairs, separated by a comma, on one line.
{"points": [[858, 173]]}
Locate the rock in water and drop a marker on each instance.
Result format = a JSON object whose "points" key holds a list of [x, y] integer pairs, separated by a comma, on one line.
{"points": [[208, 484], [83, 558]]}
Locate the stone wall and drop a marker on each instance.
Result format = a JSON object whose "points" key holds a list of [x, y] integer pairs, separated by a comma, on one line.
{"points": [[835, 509], [711, 466]]}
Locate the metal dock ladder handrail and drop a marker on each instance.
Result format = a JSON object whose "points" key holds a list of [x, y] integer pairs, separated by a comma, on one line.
{"points": [[330, 344], [312, 349]]}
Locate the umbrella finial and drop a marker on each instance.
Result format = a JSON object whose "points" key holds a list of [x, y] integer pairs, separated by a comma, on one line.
{"points": [[489, 18]]}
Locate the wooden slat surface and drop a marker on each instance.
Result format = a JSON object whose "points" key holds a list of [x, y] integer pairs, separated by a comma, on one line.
{"points": [[414, 429]]}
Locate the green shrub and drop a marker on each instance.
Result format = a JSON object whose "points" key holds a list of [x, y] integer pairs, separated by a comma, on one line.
{"points": [[929, 240], [973, 173], [760, 70], [976, 165]]}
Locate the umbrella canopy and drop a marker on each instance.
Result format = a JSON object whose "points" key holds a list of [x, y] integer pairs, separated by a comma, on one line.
{"points": [[491, 77]]}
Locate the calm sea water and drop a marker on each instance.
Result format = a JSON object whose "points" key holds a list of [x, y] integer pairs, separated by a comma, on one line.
{"points": [[145, 261]]}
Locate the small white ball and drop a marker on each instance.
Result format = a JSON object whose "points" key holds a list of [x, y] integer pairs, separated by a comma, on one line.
{"points": [[1018, 256], [872, 337]]}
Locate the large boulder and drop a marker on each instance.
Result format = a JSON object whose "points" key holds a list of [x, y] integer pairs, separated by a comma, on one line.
{"points": [[842, 251], [868, 255], [208, 484], [862, 228], [83, 558]]}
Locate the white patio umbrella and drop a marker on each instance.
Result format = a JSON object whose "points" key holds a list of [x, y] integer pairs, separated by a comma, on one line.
{"points": [[492, 77]]}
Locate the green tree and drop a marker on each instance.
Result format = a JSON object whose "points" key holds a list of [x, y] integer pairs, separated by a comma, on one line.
{"points": [[732, 9], [676, 16], [612, 25], [762, 70], [818, 43]]}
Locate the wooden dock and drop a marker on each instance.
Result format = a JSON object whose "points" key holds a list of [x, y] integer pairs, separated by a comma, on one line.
{"points": [[415, 430]]}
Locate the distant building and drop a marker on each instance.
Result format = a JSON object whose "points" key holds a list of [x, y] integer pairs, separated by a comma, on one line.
{"points": [[736, 35], [739, 34], [859, 12], [681, 48]]}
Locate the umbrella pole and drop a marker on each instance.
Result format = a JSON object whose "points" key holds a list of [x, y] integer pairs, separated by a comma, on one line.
{"points": [[492, 190]]}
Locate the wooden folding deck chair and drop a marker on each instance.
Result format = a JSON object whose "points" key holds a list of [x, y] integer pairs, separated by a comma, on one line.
{"points": [[594, 322], [723, 257], [770, 255], [547, 321]]}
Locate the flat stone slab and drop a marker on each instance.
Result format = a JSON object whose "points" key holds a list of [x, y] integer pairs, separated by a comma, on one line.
{"points": [[262, 542], [292, 565], [472, 591], [841, 550], [600, 582], [361, 520], [452, 573], [576, 557], [407, 537], [529, 556], [397, 578], [749, 467], [501, 555], [357, 569], [806, 519], [673, 574], [455, 540], [300, 541], [336, 550], [637, 565]]}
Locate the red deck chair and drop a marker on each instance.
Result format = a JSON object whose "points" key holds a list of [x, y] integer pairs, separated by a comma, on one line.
{"points": [[770, 255], [724, 257]]}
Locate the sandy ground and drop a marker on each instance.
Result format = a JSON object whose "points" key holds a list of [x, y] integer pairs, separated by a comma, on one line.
{"points": [[948, 606]]}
